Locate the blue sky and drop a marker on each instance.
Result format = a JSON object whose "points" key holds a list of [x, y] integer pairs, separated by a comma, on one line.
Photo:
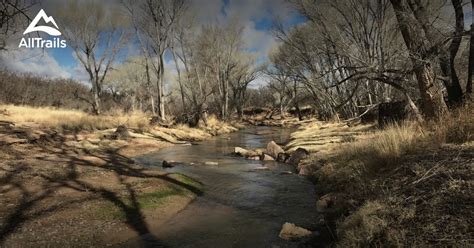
{"points": [[256, 16]]}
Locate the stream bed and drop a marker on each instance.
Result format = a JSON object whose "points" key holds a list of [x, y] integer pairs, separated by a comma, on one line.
{"points": [[241, 206]]}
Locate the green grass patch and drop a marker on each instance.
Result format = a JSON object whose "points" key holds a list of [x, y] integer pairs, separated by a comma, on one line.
{"points": [[150, 200], [187, 180], [144, 201]]}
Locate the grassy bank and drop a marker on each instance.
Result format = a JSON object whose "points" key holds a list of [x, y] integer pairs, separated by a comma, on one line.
{"points": [[65, 180], [406, 185]]}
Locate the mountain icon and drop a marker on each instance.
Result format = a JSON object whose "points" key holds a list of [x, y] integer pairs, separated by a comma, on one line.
{"points": [[50, 30]]}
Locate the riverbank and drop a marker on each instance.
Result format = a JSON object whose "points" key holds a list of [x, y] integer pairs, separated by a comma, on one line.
{"points": [[67, 178], [373, 185]]}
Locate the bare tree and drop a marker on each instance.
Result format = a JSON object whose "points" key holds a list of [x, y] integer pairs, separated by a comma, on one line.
{"points": [[416, 40], [245, 72], [222, 45], [13, 16], [155, 22], [128, 84], [347, 54], [350, 54], [96, 34]]}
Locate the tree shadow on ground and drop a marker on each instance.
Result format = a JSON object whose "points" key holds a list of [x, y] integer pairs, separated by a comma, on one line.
{"points": [[24, 209]]}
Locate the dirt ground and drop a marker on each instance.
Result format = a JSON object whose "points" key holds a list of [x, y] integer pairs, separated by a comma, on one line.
{"points": [[71, 190]]}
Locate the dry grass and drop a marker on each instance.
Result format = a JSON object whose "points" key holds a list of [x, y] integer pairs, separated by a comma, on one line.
{"points": [[389, 179], [184, 132], [383, 148], [323, 137], [364, 225], [457, 127], [70, 119], [216, 126], [76, 120]]}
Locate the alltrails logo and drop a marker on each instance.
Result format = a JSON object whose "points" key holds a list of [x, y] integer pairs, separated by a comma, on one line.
{"points": [[40, 42]]}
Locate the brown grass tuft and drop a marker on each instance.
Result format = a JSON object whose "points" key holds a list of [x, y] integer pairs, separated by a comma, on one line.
{"points": [[457, 127], [71, 119], [362, 227], [382, 148], [405, 174]]}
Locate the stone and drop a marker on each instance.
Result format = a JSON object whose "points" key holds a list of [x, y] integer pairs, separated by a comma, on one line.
{"points": [[257, 157], [304, 170], [325, 202], [244, 152], [166, 164], [266, 157], [290, 231], [273, 149], [283, 157], [296, 156]]}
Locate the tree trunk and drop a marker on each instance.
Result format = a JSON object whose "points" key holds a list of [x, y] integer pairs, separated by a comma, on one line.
{"points": [[448, 69], [471, 57], [432, 97], [226, 100], [180, 82], [416, 41], [451, 80], [445, 56], [282, 109], [148, 81], [96, 103], [414, 108], [161, 94]]}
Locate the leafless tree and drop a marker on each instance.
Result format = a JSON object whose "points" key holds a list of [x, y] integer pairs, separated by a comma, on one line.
{"points": [[96, 34], [416, 39], [245, 72], [155, 22], [14, 15], [347, 54]]}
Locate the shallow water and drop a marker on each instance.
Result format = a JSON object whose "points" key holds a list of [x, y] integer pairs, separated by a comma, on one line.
{"points": [[240, 207]]}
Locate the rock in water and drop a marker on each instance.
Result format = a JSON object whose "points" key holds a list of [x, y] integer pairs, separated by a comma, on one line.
{"points": [[282, 157], [266, 157], [244, 152], [273, 149], [257, 157], [297, 156], [166, 164], [290, 231]]}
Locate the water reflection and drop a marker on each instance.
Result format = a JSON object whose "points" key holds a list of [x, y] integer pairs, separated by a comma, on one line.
{"points": [[241, 207]]}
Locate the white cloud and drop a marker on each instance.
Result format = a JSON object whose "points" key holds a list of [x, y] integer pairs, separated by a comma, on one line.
{"points": [[247, 12], [259, 41], [35, 61], [207, 11]]}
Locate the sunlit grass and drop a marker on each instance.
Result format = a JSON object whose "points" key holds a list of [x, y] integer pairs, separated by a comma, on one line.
{"points": [[71, 119]]}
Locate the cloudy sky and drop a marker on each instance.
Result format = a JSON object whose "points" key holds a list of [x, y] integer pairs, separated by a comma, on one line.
{"points": [[256, 16]]}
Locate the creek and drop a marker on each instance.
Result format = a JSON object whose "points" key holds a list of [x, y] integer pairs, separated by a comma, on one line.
{"points": [[241, 206]]}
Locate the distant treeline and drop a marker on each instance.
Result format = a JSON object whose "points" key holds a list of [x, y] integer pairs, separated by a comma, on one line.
{"points": [[28, 89]]}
